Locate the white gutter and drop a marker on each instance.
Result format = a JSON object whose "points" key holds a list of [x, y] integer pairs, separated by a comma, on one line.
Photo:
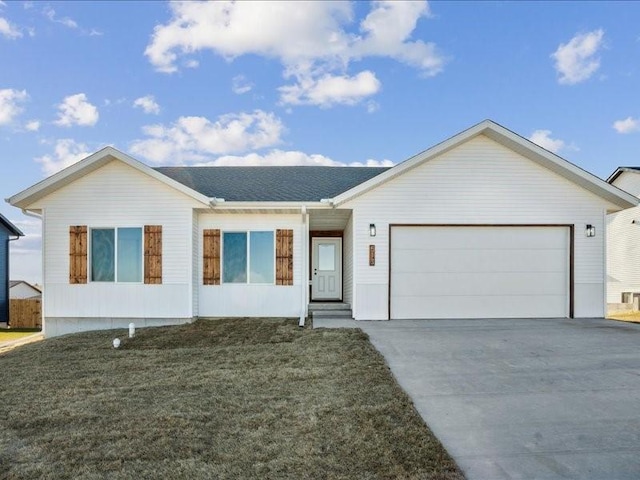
{"points": [[304, 284], [221, 203]]}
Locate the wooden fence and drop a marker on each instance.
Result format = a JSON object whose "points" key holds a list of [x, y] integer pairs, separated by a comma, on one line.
{"points": [[25, 313]]}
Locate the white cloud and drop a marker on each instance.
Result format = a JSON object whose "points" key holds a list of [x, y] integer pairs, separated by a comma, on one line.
{"points": [[9, 30], [329, 90], [577, 60], [628, 125], [240, 85], [543, 138], [192, 139], [50, 13], [289, 158], [76, 110], [65, 153], [321, 41], [148, 104], [32, 125], [10, 100]]}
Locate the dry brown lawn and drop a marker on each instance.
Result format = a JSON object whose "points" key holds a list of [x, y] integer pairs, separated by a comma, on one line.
{"points": [[633, 317], [10, 335], [219, 399]]}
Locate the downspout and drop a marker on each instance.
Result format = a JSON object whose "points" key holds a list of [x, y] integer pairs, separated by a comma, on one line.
{"points": [[303, 282]]}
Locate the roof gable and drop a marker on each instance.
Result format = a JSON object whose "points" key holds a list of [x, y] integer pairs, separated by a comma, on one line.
{"points": [[619, 171], [10, 227], [510, 140], [88, 165]]}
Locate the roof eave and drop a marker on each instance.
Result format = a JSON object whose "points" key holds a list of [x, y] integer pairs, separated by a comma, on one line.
{"points": [[91, 163], [13, 230], [510, 140]]}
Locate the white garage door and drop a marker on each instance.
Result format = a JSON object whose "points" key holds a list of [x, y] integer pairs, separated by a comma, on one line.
{"points": [[479, 272]]}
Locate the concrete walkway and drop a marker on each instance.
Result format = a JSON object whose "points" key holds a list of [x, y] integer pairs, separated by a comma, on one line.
{"points": [[524, 399]]}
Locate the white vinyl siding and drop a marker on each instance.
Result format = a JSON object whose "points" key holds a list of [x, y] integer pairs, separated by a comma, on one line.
{"points": [[118, 195], [479, 182], [195, 263], [623, 243], [479, 272], [347, 262], [246, 299]]}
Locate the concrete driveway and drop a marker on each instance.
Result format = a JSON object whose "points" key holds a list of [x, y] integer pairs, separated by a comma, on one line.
{"points": [[523, 399]]}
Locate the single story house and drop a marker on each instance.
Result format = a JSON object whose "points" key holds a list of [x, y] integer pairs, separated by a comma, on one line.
{"points": [[20, 289], [7, 231], [484, 224], [623, 241]]}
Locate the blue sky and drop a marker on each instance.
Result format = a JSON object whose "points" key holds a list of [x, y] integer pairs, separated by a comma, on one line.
{"points": [[323, 83]]}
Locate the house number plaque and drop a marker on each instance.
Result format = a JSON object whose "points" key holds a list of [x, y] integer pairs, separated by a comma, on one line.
{"points": [[372, 255]]}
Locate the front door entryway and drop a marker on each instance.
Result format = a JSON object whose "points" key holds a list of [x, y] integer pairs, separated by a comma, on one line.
{"points": [[326, 269]]}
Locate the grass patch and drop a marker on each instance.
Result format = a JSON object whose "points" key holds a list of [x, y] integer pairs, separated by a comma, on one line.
{"points": [[10, 335], [240, 398]]}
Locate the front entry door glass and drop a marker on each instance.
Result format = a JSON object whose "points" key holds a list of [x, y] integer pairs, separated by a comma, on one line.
{"points": [[326, 282]]}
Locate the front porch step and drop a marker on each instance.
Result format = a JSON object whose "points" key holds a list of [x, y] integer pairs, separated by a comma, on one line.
{"points": [[318, 306], [332, 314]]}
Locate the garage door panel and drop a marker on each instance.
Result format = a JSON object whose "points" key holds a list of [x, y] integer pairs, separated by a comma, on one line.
{"points": [[491, 260], [479, 272], [503, 238], [480, 307], [478, 283]]}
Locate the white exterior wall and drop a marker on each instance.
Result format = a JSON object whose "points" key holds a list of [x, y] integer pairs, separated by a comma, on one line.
{"points": [[623, 243], [246, 300], [116, 195], [479, 182], [22, 290], [347, 262], [196, 273]]}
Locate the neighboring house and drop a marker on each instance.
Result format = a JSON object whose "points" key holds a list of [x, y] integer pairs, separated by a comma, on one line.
{"points": [[22, 289], [484, 224], [623, 240], [8, 232]]}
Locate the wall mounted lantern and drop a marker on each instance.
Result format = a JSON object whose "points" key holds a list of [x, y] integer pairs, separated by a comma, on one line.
{"points": [[372, 230], [590, 230]]}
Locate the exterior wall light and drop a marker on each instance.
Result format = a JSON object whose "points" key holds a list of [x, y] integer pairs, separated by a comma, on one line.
{"points": [[372, 229], [590, 230]]}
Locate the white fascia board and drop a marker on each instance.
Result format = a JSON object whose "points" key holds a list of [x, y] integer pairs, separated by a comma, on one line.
{"points": [[237, 205], [410, 163], [619, 171], [561, 166], [87, 165], [513, 141]]}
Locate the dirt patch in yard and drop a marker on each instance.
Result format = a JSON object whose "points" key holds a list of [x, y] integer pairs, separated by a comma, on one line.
{"points": [[240, 398]]}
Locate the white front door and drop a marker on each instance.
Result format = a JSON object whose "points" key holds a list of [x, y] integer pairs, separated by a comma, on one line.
{"points": [[326, 278]]}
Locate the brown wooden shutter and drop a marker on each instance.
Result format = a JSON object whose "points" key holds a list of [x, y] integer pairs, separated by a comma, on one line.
{"points": [[78, 254], [284, 257], [153, 254], [211, 257]]}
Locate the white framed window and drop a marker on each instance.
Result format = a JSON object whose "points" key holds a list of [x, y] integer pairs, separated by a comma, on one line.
{"points": [[116, 254], [248, 257]]}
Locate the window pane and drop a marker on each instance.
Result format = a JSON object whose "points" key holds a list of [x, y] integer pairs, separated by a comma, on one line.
{"points": [[129, 254], [261, 257], [102, 255], [234, 261], [327, 257]]}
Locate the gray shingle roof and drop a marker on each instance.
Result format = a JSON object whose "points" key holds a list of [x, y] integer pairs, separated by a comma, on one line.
{"points": [[271, 184]]}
